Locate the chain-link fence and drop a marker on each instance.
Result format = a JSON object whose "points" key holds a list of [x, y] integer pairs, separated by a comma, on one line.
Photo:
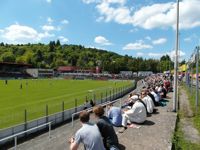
{"points": [[192, 79]]}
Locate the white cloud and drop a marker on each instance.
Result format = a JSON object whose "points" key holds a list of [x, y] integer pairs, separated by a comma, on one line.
{"points": [[107, 1], [122, 2], [45, 35], [89, 1], [63, 39], [148, 38], [172, 54], [48, 28], [157, 15], [120, 14], [133, 30], [102, 40], [22, 34], [65, 21], [48, 1], [100, 19], [140, 54], [188, 39], [153, 16], [49, 20], [191, 38], [139, 45], [155, 54], [159, 41], [96, 47]]}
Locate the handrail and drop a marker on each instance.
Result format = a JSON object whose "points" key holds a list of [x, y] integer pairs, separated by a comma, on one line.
{"points": [[90, 109], [15, 135]]}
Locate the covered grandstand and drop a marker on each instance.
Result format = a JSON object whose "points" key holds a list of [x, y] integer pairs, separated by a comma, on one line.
{"points": [[14, 70]]}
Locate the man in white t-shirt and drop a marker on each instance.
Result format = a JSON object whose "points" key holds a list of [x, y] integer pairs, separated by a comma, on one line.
{"points": [[148, 101], [136, 114]]}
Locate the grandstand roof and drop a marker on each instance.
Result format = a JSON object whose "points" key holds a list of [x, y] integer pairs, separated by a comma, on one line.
{"points": [[15, 64]]}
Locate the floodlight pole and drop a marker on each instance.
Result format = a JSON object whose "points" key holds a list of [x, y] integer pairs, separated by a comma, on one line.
{"points": [[175, 94]]}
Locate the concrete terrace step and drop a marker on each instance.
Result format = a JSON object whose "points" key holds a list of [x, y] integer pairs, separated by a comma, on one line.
{"points": [[155, 134]]}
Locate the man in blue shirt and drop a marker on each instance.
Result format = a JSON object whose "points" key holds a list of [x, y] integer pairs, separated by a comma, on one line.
{"points": [[115, 115]]}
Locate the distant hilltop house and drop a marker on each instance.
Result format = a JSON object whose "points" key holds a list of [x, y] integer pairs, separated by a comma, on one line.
{"points": [[14, 70]]}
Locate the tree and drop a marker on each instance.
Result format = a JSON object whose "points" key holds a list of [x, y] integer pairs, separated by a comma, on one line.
{"points": [[58, 43], [52, 46], [183, 62], [1, 44], [8, 57]]}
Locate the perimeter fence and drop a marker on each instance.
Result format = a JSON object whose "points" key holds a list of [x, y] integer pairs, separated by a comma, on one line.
{"points": [[192, 78]]}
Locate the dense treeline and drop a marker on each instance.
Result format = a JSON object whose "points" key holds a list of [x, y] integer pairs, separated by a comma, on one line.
{"points": [[54, 54]]}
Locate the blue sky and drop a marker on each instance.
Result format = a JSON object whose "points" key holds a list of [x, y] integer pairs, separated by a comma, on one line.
{"points": [[135, 27]]}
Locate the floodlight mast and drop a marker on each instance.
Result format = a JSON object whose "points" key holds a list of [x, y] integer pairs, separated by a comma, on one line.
{"points": [[175, 94]]}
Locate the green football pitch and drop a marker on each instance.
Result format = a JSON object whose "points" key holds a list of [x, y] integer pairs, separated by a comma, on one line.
{"points": [[36, 96]]}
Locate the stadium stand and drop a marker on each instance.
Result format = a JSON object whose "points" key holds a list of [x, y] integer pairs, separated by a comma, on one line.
{"points": [[13, 70], [155, 133]]}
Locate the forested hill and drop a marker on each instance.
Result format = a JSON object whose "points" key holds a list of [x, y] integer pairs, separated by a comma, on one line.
{"points": [[54, 54]]}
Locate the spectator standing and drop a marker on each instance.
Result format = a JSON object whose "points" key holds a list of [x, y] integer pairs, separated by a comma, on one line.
{"points": [[88, 134]]}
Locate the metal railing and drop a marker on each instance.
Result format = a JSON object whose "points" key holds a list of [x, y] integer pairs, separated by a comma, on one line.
{"points": [[16, 135], [90, 109]]}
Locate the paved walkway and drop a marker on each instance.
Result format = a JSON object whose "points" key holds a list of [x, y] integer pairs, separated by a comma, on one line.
{"points": [[155, 134]]}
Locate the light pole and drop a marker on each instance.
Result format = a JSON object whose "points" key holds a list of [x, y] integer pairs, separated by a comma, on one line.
{"points": [[175, 94]]}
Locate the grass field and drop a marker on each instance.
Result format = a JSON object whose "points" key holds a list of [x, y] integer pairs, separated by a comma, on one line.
{"points": [[180, 141], [35, 95]]}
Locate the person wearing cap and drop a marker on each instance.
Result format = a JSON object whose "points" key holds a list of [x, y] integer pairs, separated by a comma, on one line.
{"points": [[131, 99]]}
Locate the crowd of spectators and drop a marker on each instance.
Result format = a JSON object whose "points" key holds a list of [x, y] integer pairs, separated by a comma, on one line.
{"points": [[135, 109]]}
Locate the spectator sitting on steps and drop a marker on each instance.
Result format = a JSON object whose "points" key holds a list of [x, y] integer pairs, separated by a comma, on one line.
{"points": [[110, 138], [137, 114], [88, 134], [115, 115], [130, 101], [86, 104], [148, 101], [92, 103]]}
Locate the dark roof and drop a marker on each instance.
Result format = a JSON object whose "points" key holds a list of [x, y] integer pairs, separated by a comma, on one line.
{"points": [[15, 64]]}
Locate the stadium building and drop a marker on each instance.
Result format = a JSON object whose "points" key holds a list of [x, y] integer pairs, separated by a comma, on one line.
{"points": [[40, 73], [14, 70]]}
